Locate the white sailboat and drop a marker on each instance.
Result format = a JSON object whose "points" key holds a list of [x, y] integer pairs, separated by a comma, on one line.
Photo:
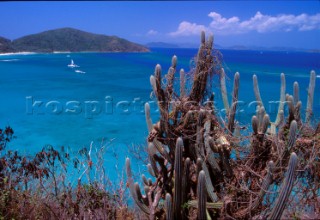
{"points": [[79, 71], [72, 64]]}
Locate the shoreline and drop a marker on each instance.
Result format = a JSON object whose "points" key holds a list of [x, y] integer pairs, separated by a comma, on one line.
{"points": [[68, 52]]}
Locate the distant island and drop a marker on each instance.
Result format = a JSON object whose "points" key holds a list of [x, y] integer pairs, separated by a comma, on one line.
{"points": [[235, 47], [68, 40]]}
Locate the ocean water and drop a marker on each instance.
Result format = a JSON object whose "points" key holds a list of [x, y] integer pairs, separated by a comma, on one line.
{"points": [[48, 103]]}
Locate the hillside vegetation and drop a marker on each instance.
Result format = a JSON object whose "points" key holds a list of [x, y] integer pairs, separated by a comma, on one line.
{"points": [[69, 39]]}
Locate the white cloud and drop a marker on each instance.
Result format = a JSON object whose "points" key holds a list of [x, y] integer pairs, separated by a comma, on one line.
{"points": [[259, 23], [186, 29], [152, 32]]}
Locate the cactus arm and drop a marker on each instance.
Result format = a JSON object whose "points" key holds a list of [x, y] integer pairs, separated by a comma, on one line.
{"points": [[297, 115], [290, 107], [150, 170], [264, 186], [177, 197], [257, 91], [168, 207], [232, 112], [170, 75], [292, 135], [265, 124], [210, 156], [285, 190], [255, 124], [224, 93], [202, 196], [296, 97], [185, 185], [148, 118], [182, 84], [209, 186], [282, 98], [151, 153], [132, 189], [312, 85]]}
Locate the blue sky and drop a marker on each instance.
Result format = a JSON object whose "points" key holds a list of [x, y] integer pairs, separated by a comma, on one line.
{"points": [[250, 23]]}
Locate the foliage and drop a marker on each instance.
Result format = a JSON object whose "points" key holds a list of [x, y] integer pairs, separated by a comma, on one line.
{"points": [[37, 187]]}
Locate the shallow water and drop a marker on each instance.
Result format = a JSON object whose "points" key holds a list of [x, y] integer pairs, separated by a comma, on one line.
{"points": [[45, 102]]}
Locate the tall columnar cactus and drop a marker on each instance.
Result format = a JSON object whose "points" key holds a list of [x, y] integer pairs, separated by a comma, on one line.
{"points": [[178, 172], [282, 98], [285, 190], [233, 109], [202, 196], [296, 96], [312, 85], [182, 83], [257, 90], [224, 93]]}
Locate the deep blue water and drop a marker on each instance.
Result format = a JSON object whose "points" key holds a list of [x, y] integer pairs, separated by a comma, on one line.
{"points": [[27, 80]]}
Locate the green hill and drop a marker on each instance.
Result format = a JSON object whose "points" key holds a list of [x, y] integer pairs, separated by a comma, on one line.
{"points": [[73, 40], [5, 45]]}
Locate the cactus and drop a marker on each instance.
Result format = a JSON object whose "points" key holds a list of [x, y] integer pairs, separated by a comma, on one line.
{"points": [[265, 185], [285, 190], [296, 97], [168, 207], [182, 84], [224, 93], [178, 179], [148, 118], [291, 107], [292, 135], [202, 196], [170, 77], [282, 99], [310, 96], [232, 112], [185, 185], [150, 170], [297, 112], [202, 153], [151, 153], [265, 124], [257, 91], [210, 157], [255, 124], [133, 191], [209, 186]]}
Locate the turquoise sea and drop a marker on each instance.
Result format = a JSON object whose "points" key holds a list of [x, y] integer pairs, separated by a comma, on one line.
{"points": [[46, 102]]}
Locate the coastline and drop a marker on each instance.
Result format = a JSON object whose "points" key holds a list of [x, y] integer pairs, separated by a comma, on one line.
{"points": [[68, 52], [17, 53]]}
